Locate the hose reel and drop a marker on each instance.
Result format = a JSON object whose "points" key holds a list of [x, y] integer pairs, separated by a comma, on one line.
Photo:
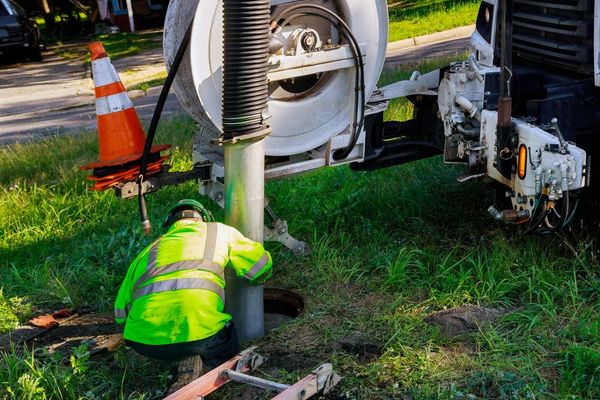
{"points": [[311, 69]]}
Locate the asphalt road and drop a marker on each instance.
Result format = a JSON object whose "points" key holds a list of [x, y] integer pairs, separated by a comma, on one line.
{"points": [[28, 126], [416, 55], [73, 113]]}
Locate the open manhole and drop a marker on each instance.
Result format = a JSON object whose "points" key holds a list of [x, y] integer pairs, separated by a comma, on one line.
{"points": [[281, 306]]}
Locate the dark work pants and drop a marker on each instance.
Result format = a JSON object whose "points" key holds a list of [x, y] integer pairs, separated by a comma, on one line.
{"points": [[214, 350]]}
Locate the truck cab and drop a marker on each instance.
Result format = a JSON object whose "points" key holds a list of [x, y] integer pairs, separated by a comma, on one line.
{"points": [[542, 165]]}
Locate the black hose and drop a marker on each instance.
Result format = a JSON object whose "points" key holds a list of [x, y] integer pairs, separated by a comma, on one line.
{"points": [[160, 104], [572, 215], [245, 67], [360, 86], [359, 105], [540, 220], [565, 203]]}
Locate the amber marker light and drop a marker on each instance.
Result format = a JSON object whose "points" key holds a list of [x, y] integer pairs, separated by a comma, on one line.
{"points": [[522, 162]]}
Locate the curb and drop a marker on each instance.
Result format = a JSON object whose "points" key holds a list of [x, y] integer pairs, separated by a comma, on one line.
{"points": [[456, 33]]}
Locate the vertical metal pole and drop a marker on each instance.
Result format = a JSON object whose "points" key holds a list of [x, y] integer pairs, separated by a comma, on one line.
{"points": [[244, 209], [130, 15], [245, 95], [505, 149]]}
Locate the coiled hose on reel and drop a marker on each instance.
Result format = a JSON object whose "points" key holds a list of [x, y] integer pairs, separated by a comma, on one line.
{"points": [[245, 58]]}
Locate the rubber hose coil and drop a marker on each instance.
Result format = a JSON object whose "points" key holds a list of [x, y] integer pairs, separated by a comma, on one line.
{"points": [[245, 57]]}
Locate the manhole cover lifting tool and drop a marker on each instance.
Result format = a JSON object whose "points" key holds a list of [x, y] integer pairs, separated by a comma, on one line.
{"points": [[320, 381]]}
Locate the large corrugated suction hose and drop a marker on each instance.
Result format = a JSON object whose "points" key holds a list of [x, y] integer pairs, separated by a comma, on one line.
{"points": [[245, 57]]}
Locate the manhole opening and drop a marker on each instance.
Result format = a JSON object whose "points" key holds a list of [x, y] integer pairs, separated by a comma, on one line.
{"points": [[281, 306]]}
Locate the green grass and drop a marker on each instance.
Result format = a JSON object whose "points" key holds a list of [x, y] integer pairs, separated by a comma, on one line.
{"points": [[389, 247], [149, 81], [423, 20], [119, 45], [126, 44], [402, 109]]}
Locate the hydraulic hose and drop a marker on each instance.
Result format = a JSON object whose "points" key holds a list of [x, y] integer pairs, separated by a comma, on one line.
{"points": [[359, 102], [160, 104], [565, 208], [360, 75], [539, 221], [573, 213]]}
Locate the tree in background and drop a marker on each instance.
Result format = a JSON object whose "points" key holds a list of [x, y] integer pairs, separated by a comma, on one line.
{"points": [[63, 17]]}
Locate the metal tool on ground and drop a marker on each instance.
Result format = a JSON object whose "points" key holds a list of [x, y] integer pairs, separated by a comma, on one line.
{"points": [[319, 381]]}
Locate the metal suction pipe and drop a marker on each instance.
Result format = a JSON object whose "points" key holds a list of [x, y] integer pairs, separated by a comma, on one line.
{"points": [[245, 95]]}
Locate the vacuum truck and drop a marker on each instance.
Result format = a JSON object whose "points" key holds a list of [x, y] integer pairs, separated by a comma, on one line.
{"points": [[521, 112]]}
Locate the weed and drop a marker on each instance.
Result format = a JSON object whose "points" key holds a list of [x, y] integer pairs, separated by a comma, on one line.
{"points": [[12, 310]]}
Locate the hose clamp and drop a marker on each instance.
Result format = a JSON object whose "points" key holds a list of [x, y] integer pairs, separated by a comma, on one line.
{"points": [[253, 136]]}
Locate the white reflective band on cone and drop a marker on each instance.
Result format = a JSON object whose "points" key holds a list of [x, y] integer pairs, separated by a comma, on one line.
{"points": [[104, 72], [114, 103]]}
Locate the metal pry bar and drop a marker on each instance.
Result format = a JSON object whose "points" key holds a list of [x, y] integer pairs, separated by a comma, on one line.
{"points": [[246, 361], [319, 381]]}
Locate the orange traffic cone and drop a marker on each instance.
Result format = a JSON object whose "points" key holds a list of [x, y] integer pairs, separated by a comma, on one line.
{"points": [[121, 138]]}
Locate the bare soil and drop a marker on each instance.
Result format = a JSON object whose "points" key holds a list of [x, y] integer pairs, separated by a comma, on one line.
{"points": [[465, 319], [98, 331], [91, 329]]}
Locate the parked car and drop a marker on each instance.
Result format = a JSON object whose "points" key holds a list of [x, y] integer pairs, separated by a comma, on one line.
{"points": [[19, 34]]}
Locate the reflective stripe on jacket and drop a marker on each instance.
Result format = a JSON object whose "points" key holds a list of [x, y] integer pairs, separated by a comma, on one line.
{"points": [[174, 291]]}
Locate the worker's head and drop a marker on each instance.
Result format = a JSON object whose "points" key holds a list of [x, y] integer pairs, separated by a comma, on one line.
{"points": [[187, 209]]}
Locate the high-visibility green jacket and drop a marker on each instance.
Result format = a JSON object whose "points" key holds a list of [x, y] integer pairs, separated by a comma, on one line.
{"points": [[174, 291]]}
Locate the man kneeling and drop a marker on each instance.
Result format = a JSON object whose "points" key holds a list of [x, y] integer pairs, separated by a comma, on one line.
{"points": [[171, 301]]}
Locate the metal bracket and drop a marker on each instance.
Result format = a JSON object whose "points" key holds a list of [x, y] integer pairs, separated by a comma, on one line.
{"points": [[200, 171], [261, 134], [278, 232], [246, 361], [320, 381]]}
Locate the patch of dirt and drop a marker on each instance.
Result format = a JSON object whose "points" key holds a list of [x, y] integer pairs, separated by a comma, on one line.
{"points": [[465, 319], [274, 321], [281, 358], [98, 331], [93, 329], [364, 351]]}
